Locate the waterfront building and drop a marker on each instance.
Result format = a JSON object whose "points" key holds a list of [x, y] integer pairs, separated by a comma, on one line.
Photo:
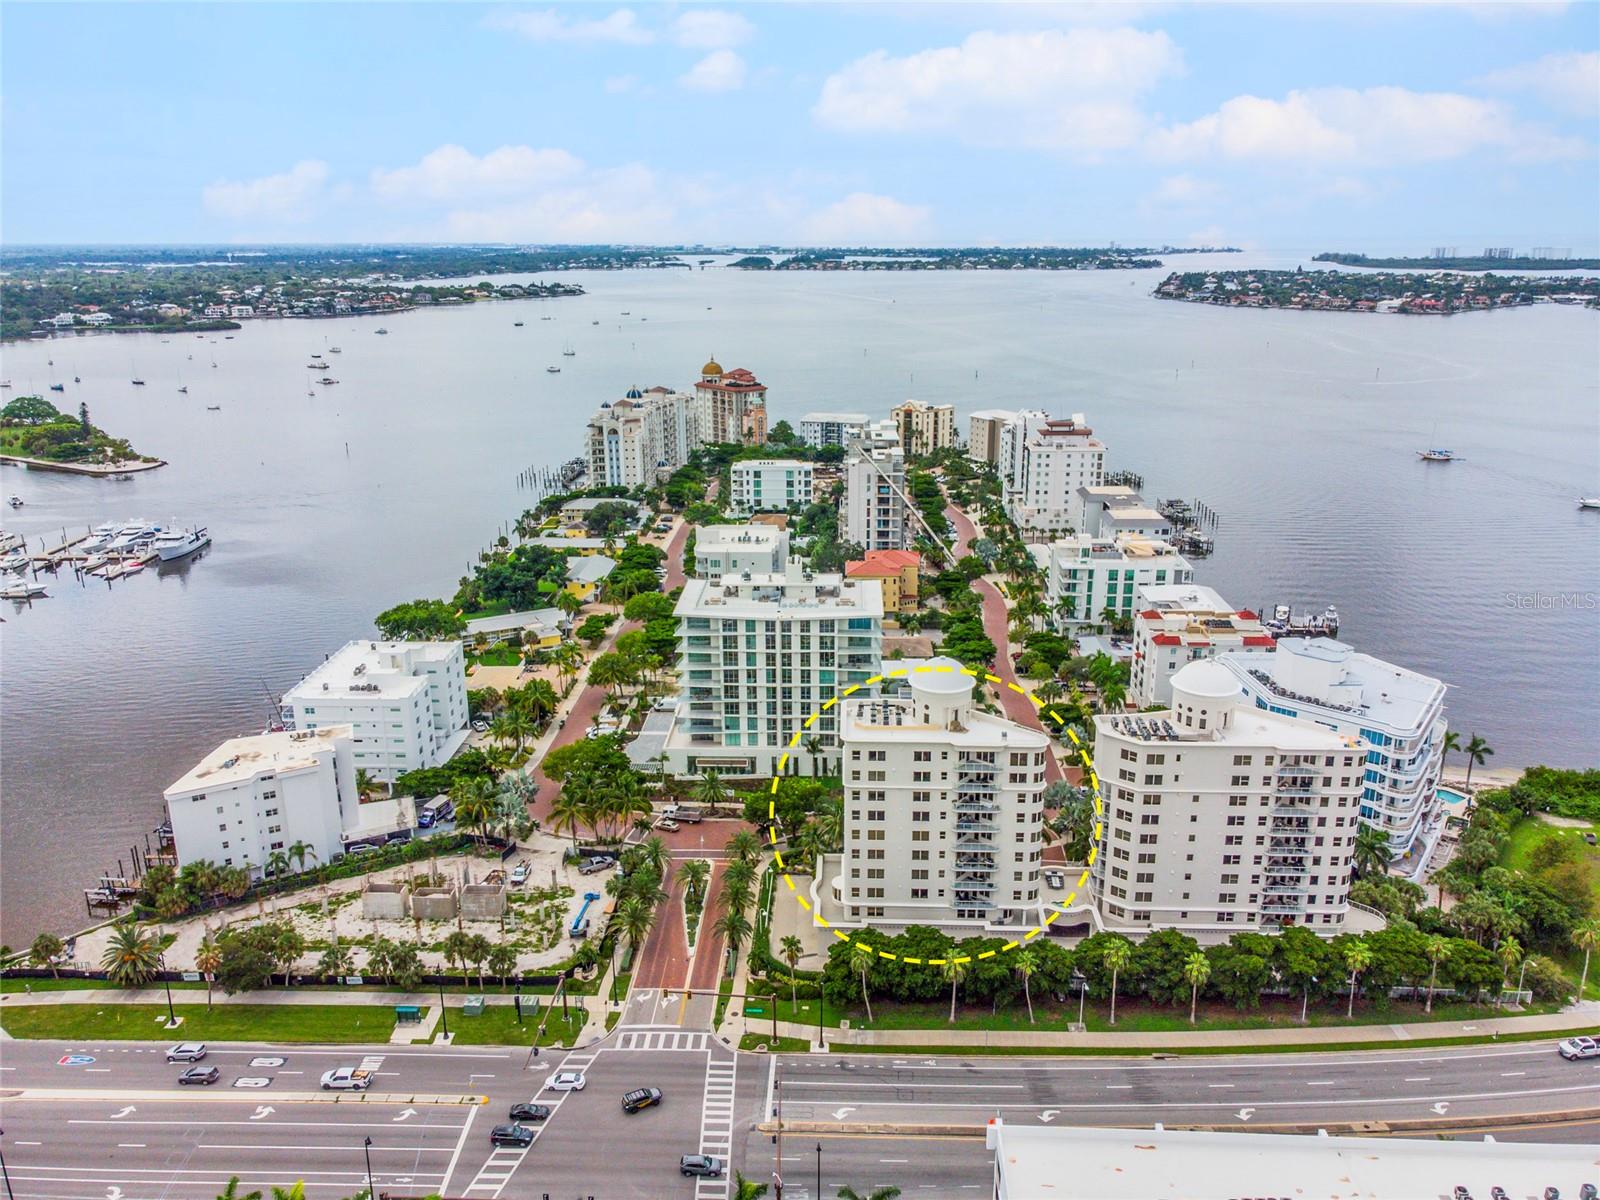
{"points": [[924, 427], [770, 483], [576, 511], [633, 441], [537, 628], [1107, 509], [1221, 817], [943, 809], [586, 572], [897, 571], [407, 702], [983, 433], [1044, 461], [252, 796], [875, 503], [735, 549], [1397, 713], [731, 406], [1085, 576], [1177, 624], [831, 429], [759, 654]]}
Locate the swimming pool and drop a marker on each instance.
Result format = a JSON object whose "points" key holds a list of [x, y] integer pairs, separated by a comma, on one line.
{"points": [[1451, 796]]}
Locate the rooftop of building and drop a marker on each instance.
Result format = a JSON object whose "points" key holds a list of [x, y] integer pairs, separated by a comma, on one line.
{"points": [[1163, 599], [718, 537], [1139, 1164], [560, 542], [1395, 697], [893, 716], [1140, 512], [992, 414], [769, 463], [589, 568], [240, 759], [922, 406], [1109, 491], [765, 594], [530, 618], [1122, 546], [879, 563], [374, 668], [776, 520], [1248, 726], [590, 503], [840, 418]]}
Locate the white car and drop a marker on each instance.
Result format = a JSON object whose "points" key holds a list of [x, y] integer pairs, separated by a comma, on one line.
{"points": [[566, 1081], [519, 874], [346, 1079], [1579, 1047], [187, 1052]]}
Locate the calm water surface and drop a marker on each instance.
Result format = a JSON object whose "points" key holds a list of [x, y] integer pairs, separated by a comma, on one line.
{"points": [[1300, 429]]}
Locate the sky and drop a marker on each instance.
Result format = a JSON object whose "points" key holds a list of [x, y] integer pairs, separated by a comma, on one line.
{"points": [[1379, 128]]}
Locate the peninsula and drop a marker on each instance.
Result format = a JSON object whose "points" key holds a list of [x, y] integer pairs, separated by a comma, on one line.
{"points": [[1490, 260], [1432, 293], [979, 258], [34, 433]]}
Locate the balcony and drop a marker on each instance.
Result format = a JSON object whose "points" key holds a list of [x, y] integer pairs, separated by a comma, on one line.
{"points": [[1291, 824], [975, 766], [974, 862], [1290, 787], [976, 787], [1284, 887], [976, 824], [977, 806], [1286, 862], [1291, 808], [975, 846]]}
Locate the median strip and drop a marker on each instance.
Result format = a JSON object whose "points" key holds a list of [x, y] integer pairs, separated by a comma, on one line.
{"points": [[253, 1098]]}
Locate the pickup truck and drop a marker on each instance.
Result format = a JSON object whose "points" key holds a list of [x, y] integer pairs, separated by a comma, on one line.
{"points": [[346, 1079], [686, 816]]}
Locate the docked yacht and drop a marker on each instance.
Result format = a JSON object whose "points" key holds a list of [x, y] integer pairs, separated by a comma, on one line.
{"points": [[131, 536], [180, 543], [14, 562], [22, 591], [99, 538]]}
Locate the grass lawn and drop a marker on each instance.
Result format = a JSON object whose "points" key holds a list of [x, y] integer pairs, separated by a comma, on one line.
{"points": [[723, 990], [1530, 831], [224, 1023], [505, 654], [783, 1045], [498, 1026], [495, 608], [72, 985]]}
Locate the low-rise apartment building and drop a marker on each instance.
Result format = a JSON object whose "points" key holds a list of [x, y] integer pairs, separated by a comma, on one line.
{"points": [[766, 484], [1044, 461], [1179, 623], [897, 571], [1220, 817], [831, 429], [924, 427], [1086, 577], [735, 549]]}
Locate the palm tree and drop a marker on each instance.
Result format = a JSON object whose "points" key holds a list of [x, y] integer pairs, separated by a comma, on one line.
{"points": [[745, 847], [955, 972], [566, 812], [44, 951], [287, 949], [300, 851], [277, 864], [735, 927], [791, 950], [886, 1192], [473, 801], [568, 603], [336, 960], [380, 957], [1027, 962], [813, 746], [634, 918], [456, 947], [1477, 751], [207, 960], [1437, 949], [1371, 851], [1450, 742], [866, 959], [503, 961], [478, 948], [1509, 952], [654, 854], [745, 1189], [1358, 957], [710, 791], [132, 956], [1196, 969], [1585, 936], [1116, 958], [232, 1192], [693, 875]]}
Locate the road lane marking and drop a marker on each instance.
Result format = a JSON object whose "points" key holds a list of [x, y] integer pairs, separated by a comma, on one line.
{"points": [[1509, 1074], [986, 1087], [130, 1145], [1419, 1079], [1354, 1061], [1321, 1082], [1119, 1087], [1219, 1085]]}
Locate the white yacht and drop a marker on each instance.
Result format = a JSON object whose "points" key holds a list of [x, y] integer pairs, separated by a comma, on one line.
{"points": [[131, 536], [180, 543], [14, 562], [99, 539], [22, 591], [1589, 501]]}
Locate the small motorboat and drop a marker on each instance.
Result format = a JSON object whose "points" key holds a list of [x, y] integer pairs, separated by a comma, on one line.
{"points": [[591, 322], [138, 383], [213, 408], [327, 379], [380, 330], [184, 390], [76, 379], [22, 591], [1437, 455], [58, 387], [516, 324], [1589, 501], [334, 350], [14, 562], [552, 370], [15, 502], [5, 383]]}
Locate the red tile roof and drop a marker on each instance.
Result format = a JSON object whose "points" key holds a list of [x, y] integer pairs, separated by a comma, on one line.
{"points": [[883, 562]]}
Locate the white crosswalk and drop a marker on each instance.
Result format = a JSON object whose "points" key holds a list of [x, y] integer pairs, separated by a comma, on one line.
{"points": [[716, 1124], [503, 1161], [658, 1040]]}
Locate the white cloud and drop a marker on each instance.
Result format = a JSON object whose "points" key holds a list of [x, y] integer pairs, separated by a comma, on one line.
{"points": [[711, 29], [864, 218], [453, 173], [719, 71], [1345, 126], [616, 84], [625, 204], [290, 196], [1569, 82], [550, 26], [1180, 191], [1072, 89]]}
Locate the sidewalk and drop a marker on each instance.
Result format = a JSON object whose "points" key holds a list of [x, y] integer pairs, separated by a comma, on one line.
{"points": [[274, 996]]}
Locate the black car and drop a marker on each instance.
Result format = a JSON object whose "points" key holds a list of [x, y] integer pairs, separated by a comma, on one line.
{"points": [[528, 1111], [511, 1135], [206, 1075], [700, 1164], [641, 1098]]}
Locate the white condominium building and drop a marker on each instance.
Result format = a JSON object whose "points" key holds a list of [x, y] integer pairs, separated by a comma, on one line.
{"points": [[252, 796], [1398, 714], [407, 702], [734, 549], [943, 808], [1222, 817], [768, 484], [1085, 576], [1179, 623], [1112, 509], [983, 433], [644, 435], [831, 429], [760, 654], [875, 511], [1044, 463], [923, 427]]}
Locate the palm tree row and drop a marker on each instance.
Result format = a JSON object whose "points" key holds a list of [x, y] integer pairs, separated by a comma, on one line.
{"points": [[738, 893], [604, 802]]}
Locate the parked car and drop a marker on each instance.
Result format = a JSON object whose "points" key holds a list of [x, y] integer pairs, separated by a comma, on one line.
{"points": [[511, 1135], [668, 824], [566, 1081], [206, 1075], [519, 874], [346, 1079], [363, 848], [640, 1099], [527, 1110], [700, 1164], [1579, 1047], [591, 865], [187, 1052]]}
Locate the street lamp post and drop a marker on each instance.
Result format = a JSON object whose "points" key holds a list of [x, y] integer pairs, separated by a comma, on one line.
{"points": [[172, 1017], [819, 1171], [366, 1148], [6, 1172], [444, 1017], [1083, 995]]}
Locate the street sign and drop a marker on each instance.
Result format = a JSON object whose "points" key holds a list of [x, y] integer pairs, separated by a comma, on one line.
{"points": [[191, 976], [354, 980], [74, 1060], [753, 1010]]}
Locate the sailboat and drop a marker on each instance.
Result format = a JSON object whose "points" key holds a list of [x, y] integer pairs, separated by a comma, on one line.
{"points": [[1437, 455], [567, 351], [1589, 501]]}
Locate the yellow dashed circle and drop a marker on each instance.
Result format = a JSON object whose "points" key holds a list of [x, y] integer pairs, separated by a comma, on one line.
{"points": [[1056, 911]]}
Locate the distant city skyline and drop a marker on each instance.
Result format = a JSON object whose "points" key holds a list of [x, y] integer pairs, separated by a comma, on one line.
{"points": [[1376, 128]]}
